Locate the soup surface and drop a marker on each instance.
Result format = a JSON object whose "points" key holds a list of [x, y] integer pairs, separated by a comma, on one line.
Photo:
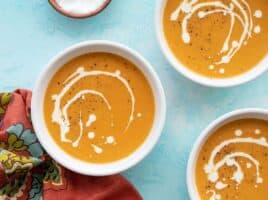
{"points": [[217, 39], [99, 107], [233, 162]]}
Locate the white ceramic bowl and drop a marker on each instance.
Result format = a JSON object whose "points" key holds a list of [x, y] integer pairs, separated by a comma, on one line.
{"points": [[49, 144], [226, 82], [227, 118]]}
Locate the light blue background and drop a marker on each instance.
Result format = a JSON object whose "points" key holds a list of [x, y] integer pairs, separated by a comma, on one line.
{"points": [[32, 33]]}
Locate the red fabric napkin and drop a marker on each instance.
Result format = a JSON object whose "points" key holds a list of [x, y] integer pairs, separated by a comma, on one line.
{"points": [[27, 172]]}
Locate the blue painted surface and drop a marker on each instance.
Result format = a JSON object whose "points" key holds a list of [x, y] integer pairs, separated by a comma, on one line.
{"points": [[32, 32]]}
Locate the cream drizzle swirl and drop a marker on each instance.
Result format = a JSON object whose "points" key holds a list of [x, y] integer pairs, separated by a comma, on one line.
{"points": [[212, 168], [244, 16], [60, 114]]}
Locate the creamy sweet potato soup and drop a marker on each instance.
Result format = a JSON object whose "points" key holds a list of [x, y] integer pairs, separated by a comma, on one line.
{"points": [[99, 107], [217, 38], [233, 162]]}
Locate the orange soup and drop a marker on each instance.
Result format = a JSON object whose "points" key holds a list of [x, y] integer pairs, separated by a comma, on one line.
{"points": [[233, 162], [217, 39], [99, 107]]}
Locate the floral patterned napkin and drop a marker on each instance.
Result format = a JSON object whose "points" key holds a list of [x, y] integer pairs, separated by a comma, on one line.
{"points": [[27, 172]]}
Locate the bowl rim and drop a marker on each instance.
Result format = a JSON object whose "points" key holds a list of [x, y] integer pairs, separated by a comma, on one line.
{"points": [[243, 113], [250, 75], [60, 10], [50, 145]]}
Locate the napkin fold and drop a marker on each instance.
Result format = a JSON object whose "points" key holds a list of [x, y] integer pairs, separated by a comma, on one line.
{"points": [[27, 172]]}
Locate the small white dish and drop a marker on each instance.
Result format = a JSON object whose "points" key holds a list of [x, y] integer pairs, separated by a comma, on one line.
{"points": [[78, 15], [227, 118], [220, 83], [50, 145]]}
